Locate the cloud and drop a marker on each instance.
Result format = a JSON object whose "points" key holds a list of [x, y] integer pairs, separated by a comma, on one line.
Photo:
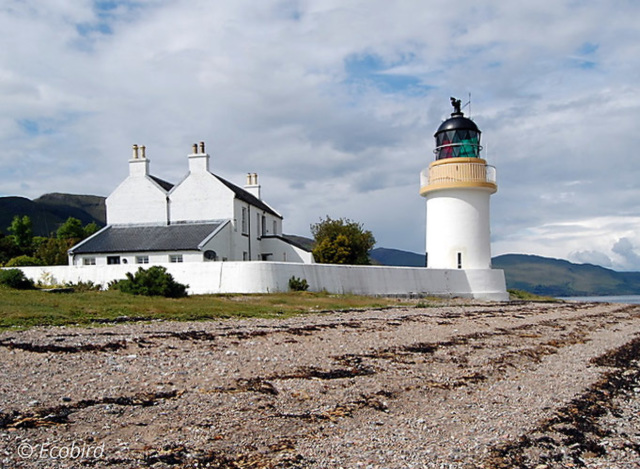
{"points": [[625, 249], [335, 105], [591, 257]]}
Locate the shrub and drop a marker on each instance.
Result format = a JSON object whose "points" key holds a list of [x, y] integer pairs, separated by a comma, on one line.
{"points": [[84, 286], [15, 278], [155, 281], [23, 261], [296, 284]]}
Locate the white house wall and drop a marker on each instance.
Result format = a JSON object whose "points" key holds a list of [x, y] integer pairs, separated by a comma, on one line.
{"points": [[155, 257], [200, 196], [253, 233], [265, 277], [221, 243], [137, 200]]}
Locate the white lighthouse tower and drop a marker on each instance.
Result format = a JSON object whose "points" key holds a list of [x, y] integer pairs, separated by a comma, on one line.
{"points": [[457, 186]]}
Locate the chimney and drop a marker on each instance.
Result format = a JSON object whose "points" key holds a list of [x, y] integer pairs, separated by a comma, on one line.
{"points": [[198, 160], [138, 164], [252, 186]]}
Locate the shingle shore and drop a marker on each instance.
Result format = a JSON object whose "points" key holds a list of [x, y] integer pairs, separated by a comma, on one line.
{"points": [[463, 385]]}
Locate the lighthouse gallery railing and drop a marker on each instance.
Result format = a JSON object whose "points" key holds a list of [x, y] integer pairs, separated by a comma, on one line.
{"points": [[458, 172]]}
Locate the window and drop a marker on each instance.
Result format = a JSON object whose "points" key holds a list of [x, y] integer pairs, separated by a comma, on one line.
{"points": [[275, 227], [244, 220], [88, 261], [113, 260], [264, 225], [244, 256], [142, 259], [258, 225], [175, 258]]}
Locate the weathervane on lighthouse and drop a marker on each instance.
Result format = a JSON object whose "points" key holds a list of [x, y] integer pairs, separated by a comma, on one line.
{"points": [[457, 187]]}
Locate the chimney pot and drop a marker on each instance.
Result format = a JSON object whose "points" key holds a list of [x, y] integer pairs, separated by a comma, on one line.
{"points": [[194, 148], [202, 147], [135, 152], [143, 149]]}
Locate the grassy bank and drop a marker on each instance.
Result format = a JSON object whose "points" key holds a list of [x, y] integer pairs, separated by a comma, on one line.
{"points": [[28, 308]]}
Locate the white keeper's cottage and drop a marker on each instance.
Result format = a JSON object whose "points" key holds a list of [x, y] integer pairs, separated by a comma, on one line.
{"points": [[203, 218]]}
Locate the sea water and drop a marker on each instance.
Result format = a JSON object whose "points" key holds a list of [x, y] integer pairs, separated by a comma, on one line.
{"points": [[631, 299]]}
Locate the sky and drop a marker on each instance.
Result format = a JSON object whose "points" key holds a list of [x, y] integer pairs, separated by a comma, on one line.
{"points": [[334, 104]]}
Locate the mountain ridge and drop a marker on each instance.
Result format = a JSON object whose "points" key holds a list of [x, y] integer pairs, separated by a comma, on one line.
{"points": [[49, 211]]}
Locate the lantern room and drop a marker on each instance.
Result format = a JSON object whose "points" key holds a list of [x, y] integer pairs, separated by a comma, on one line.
{"points": [[458, 136]]}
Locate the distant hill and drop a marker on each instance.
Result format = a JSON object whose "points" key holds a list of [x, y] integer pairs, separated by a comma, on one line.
{"points": [[557, 277], [301, 241], [48, 212], [396, 257]]}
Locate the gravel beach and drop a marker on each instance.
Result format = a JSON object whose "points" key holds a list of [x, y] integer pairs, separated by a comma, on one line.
{"points": [[457, 385]]}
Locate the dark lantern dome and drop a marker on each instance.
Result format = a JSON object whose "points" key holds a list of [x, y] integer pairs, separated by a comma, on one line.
{"points": [[458, 136], [457, 122]]}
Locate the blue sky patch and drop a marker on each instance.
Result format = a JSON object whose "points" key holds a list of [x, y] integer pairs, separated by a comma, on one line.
{"points": [[30, 127], [86, 29], [585, 56], [588, 48], [106, 5], [371, 69]]}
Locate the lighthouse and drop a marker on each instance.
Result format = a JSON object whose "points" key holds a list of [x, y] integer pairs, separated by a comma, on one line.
{"points": [[457, 187]]}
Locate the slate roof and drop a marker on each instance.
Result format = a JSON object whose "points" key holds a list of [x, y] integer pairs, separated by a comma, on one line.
{"points": [[167, 186], [247, 197], [298, 241], [180, 237]]}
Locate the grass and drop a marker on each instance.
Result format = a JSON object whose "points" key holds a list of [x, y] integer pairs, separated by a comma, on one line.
{"points": [[29, 308], [515, 294]]}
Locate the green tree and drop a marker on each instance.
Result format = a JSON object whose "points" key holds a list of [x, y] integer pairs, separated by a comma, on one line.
{"points": [[22, 230], [8, 249], [71, 229], [90, 229], [341, 241], [53, 251]]}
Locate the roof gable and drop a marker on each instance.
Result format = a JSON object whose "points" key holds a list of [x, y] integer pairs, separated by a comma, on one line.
{"points": [[247, 197]]}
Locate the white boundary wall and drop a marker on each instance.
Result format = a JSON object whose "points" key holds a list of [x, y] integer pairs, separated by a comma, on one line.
{"points": [[266, 277]]}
